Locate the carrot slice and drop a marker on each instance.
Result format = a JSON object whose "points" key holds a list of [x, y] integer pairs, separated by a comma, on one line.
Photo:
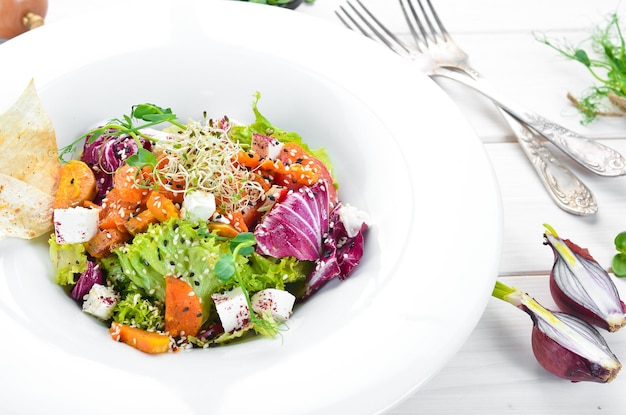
{"points": [[223, 229], [146, 341], [238, 222], [301, 162], [183, 309], [128, 182], [249, 159], [139, 224], [162, 207], [104, 241], [117, 208], [77, 184]]}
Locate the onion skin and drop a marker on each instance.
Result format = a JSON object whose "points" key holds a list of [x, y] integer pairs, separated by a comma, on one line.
{"points": [[566, 304], [563, 344], [567, 364], [570, 293]]}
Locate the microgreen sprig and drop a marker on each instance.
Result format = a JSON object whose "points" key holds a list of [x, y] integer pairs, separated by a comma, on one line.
{"points": [[608, 67], [150, 114]]}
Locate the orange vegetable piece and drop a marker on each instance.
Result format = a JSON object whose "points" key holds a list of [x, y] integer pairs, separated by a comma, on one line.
{"points": [[104, 241], [116, 209], [223, 229], [183, 309], [172, 189], [139, 224], [77, 184], [294, 154], [249, 159], [128, 180], [237, 221], [162, 207], [251, 215], [146, 341]]}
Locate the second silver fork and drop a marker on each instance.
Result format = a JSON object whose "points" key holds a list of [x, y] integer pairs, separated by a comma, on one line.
{"points": [[566, 190]]}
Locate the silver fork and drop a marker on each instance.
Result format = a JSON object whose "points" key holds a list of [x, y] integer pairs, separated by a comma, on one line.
{"points": [[452, 63], [567, 191]]}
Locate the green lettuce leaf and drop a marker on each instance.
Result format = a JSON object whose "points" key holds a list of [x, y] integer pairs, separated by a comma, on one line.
{"points": [[261, 125], [136, 311], [190, 251], [68, 261]]}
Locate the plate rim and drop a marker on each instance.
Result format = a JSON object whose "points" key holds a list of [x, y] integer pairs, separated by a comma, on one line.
{"points": [[482, 291]]}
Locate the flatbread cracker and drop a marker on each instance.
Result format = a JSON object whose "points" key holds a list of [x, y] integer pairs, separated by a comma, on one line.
{"points": [[29, 168], [25, 211], [28, 146]]}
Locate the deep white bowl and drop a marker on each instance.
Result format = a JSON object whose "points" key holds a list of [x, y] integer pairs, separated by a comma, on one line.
{"points": [[402, 152]]}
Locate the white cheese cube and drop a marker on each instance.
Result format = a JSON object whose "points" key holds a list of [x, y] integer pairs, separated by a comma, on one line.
{"points": [[100, 302], [198, 206], [75, 225], [266, 147], [232, 309], [278, 303], [353, 219]]}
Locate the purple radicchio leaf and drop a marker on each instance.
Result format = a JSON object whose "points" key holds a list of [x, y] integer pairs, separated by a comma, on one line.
{"points": [[92, 275], [342, 253], [105, 155], [296, 225]]}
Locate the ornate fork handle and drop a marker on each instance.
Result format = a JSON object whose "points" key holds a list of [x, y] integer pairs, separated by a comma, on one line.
{"points": [[591, 154], [567, 191]]}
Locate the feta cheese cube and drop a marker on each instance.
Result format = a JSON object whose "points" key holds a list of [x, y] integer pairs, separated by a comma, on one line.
{"points": [[232, 308], [75, 225], [100, 302], [198, 206], [353, 219], [266, 147], [278, 303]]}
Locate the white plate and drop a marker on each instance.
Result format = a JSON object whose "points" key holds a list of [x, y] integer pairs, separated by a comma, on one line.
{"points": [[402, 153]]}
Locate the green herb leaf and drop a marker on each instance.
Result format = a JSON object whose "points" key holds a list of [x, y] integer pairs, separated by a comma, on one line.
{"points": [[619, 265], [582, 57], [225, 267], [243, 243], [145, 111], [142, 158]]}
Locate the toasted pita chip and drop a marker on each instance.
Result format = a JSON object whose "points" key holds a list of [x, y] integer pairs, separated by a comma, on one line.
{"points": [[25, 211], [28, 147]]}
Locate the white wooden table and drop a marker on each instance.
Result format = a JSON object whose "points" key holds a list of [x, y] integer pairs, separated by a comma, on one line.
{"points": [[495, 372]]}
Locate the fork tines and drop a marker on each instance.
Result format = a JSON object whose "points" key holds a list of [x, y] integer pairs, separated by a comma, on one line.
{"points": [[415, 20], [359, 18]]}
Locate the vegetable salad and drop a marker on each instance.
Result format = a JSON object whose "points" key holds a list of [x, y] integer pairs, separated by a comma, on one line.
{"points": [[193, 235]]}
